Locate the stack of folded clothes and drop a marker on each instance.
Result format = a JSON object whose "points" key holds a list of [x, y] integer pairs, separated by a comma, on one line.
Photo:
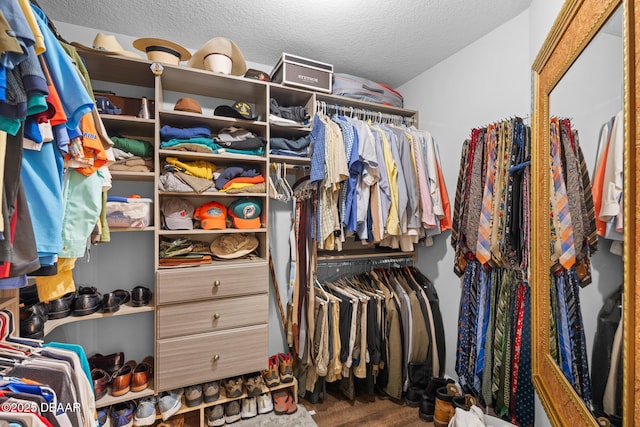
{"points": [[196, 138], [182, 252], [240, 141], [240, 179], [295, 115], [187, 176], [132, 154], [290, 147]]}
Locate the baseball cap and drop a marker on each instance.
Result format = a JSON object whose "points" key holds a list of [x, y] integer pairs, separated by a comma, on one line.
{"points": [[178, 214], [245, 212], [234, 245], [212, 215], [188, 104], [239, 110], [252, 73]]}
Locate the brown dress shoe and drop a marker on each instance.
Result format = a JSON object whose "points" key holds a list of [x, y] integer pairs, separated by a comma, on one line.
{"points": [[100, 380], [142, 374], [121, 379], [110, 363]]}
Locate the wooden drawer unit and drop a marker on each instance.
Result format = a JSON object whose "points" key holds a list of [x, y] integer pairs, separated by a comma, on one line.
{"points": [[200, 358], [212, 315], [200, 283]]}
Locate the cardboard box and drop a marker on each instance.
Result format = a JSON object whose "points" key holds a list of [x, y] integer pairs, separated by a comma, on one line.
{"points": [[292, 70]]}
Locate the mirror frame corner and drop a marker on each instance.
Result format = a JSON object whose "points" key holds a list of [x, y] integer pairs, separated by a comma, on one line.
{"points": [[576, 25]]}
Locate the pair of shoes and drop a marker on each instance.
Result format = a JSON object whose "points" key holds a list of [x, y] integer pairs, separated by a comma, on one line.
{"points": [[100, 379], [112, 301], [142, 374], [109, 363], [146, 411], [444, 409], [60, 307], [141, 296], [428, 403], [214, 415], [284, 402], [233, 386], [232, 412], [32, 321], [271, 375], [211, 391], [285, 367], [253, 383], [207, 392], [121, 379], [103, 417], [193, 395], [87, 300], [265, 403], [121, 414], [169, 402], [249, 408]]}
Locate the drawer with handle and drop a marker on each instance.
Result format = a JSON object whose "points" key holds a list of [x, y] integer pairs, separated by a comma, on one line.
{"points": [[200, 358], [191, 284], [212, 315]]}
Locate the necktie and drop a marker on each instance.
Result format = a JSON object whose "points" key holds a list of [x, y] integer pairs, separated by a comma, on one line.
{"points": [[473, 207], [483, 247], [573, 180], [524, 402], [460, 190], [568, 252]]}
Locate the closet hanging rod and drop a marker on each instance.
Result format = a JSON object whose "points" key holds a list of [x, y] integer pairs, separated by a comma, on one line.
{"points": [[407, 259], [363, 113]]}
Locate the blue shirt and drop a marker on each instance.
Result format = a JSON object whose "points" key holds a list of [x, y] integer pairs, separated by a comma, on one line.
{"points": [[317, 150], [348, 209], [76, 101]]}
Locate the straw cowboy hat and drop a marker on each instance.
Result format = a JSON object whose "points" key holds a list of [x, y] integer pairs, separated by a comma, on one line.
{"points": [[228, 246], [106, 44], [160, 50], [222, 46]]}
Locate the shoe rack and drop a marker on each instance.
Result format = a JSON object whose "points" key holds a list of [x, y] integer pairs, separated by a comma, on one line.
{"points": [[223, 399]]}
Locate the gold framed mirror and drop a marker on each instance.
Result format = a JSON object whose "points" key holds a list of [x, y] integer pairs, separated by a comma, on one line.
{"points": [[578, 23]]}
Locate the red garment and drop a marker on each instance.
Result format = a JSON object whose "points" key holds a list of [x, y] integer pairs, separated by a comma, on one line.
{"points": [[258, 179], [596, 189], [445, 221]]}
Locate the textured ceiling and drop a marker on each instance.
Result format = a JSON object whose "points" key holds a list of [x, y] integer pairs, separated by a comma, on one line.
{"points": [[387, 41]]}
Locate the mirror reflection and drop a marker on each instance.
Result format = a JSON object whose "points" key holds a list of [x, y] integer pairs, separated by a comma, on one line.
{"points": [[586, 147]]}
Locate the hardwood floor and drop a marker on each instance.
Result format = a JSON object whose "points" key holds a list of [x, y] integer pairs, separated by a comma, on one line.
{"points": [[337, 411]]}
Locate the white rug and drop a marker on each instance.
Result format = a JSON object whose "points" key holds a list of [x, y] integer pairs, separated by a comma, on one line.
{"points": [[301, 418]]}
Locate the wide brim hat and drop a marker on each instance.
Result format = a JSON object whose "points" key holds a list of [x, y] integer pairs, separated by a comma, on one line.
{"points": [[162, 50], [222, 46], [106, 44], [236, 245]]}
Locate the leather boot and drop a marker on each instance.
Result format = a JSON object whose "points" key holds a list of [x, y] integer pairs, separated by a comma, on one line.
{"points": [[444, 405], [464, 402], [419, 375], [428, 403]]}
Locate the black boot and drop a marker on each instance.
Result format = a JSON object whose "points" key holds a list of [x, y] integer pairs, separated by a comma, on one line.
{"points": [[419, 376], [428, 403]]}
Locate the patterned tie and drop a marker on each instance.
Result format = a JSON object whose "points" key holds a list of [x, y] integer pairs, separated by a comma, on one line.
{"points": [[466, 326], [524, 402], [578, 337], [568, 252], [460, 191], [483, 247]]}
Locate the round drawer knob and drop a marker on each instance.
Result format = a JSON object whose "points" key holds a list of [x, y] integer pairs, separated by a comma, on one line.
{"points": [[216, 283], [216, 316], [216, 357]]}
